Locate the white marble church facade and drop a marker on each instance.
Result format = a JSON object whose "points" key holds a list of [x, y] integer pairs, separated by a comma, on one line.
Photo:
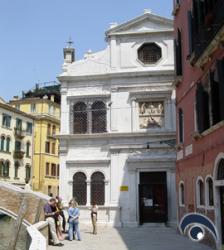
{"points": [[117, 106]]}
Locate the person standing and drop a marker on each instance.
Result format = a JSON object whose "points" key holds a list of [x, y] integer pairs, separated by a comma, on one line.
{"points": [[73, 219], [50, 213], [61, 213], [94, 210]]}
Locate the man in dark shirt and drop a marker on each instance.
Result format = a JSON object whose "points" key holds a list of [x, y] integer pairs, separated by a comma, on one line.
{"points": [[50, 212]]}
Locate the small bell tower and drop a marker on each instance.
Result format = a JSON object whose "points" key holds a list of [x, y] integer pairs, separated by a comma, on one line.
{"points": [[69, 52]]}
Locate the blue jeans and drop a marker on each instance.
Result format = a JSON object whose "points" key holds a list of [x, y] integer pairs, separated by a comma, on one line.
{"points": [[73, 229]]}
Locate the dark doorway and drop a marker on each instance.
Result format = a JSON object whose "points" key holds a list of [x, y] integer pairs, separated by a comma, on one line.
{"points": [[222, 211], [153, 197]]}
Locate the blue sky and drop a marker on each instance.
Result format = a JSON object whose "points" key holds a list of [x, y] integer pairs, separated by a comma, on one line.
{"points": [[34, 32]]}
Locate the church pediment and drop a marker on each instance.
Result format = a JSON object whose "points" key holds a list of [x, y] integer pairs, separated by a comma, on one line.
{"points": [[146, 23]]}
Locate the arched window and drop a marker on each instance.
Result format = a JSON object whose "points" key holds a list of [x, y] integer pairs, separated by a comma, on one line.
{"points": [[28, 149], [98, 188], [6, 169], [28, 172], [16, 169], [80, 118], [80, 188], [181, 194], [8, 141], [220, 175], [181, 125], [99, 116], [2, 143], [200, 193], [149, 53], [209, 192]]}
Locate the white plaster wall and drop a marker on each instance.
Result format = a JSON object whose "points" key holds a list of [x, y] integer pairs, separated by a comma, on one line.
{"points": [[115, 73]]}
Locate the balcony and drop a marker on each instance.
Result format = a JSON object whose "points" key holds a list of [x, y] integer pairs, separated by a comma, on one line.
{"points": [[207, 31], [19, 133], [18, 154]]}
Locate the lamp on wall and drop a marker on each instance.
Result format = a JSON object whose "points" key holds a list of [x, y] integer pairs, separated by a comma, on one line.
{"points": [[171, 143]]}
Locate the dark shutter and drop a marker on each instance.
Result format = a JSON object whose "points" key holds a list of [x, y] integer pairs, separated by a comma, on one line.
{"points": [[220, 65], [202, 107], [181, 126], [80, 188], [178, 49], [98, 188], [190, 35], [214, 94]]}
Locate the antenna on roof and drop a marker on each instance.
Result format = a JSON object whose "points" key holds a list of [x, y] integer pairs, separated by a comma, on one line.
{"points": [[70, 42]]}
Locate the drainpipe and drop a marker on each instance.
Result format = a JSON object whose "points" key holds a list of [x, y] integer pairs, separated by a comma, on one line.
{"points": [[40, 145]]}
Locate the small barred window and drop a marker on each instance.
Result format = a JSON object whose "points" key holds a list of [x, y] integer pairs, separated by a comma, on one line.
{"points": [[98, 188], [149, 53], [80, 188], [80, 118], [98, 117]]}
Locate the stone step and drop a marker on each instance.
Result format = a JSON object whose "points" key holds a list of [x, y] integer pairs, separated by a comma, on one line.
{"points": [[159, 225]]}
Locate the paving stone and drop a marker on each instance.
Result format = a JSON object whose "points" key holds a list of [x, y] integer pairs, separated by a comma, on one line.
{"points": [[141, 238]]}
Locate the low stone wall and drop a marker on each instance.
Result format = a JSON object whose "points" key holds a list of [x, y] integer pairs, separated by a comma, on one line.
{"points": [[38, 236], [107, 216], [26, 208]]}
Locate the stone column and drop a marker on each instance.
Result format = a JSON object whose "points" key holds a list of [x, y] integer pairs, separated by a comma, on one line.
{"points": [[107, 193], [171, 198], [65, 112], [133, 187], [89, 117], [88, 202], [133, 114]]}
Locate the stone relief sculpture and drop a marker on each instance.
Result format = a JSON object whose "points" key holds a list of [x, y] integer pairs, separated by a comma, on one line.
{"points": [[151, 114]]}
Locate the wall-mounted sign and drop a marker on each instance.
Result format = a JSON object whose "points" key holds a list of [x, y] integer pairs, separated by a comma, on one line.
{"points": [[124, 188]]}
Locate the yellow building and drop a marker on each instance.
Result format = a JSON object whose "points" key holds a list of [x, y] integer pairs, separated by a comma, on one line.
{"points": [[46, 110]]}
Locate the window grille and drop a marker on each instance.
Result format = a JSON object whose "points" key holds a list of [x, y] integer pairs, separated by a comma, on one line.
{"points": [[149, 53], [98, 117], [98, 188], [80, 118], [80, 188]]}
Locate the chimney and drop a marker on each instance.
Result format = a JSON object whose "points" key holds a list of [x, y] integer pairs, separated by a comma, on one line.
{"points": [[69, 52]]}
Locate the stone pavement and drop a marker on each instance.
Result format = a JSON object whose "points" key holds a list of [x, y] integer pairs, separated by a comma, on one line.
{"points": [[141, 238]]}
